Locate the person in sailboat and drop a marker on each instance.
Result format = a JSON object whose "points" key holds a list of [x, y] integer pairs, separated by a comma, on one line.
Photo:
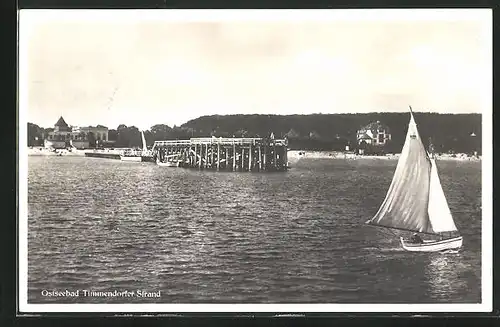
{"points": [[415, 238]]}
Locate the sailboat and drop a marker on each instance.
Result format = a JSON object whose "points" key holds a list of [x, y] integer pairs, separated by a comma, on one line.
{"points": [[146, 155], [139, 155], [415, 201]]}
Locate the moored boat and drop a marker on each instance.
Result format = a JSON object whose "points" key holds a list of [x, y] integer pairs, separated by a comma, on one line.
{"points": [[146, 155], [136, 155], [131, 158], [167, 163], [131, 155]]}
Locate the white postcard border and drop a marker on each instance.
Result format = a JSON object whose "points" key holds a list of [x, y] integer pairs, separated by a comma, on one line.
{"points": [[260, 15]]}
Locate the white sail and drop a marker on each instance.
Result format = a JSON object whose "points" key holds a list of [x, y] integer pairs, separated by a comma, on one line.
{"points": [[439, 211], [144, 146], [405, 205]]}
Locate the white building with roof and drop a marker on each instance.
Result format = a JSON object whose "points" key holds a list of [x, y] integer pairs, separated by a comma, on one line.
{"points": [[374, 133], [65, 136]]}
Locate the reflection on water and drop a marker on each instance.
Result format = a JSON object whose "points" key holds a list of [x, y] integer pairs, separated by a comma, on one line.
{"points": [[238, 237], [449, 272]]}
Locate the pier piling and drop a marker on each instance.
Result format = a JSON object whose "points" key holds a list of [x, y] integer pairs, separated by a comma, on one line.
{"points": [[225, 154]]}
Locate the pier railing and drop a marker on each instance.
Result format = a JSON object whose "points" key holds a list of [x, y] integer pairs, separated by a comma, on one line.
{"points": [[221, 141]]}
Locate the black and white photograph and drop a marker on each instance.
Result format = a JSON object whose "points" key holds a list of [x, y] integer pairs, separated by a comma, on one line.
{"points": [[255, 160]]}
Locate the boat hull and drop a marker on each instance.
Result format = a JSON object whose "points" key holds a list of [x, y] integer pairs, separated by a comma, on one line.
{"points": [[131, 159], [167, 164], [433, 246]]}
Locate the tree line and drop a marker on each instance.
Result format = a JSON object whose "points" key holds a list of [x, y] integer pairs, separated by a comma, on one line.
{"points": [[447, 132]]}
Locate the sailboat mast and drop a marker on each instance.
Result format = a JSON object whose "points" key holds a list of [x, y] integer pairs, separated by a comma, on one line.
{"points": [[430, 150], [144, 146]]}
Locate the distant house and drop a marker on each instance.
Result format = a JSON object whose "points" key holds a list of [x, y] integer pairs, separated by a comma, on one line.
{"points": [[101, 133], [374, 133], [59, 137], [292, 134], [314, 135], [64, 136]]}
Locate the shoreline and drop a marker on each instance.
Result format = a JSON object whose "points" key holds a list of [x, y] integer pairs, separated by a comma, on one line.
{"points": [[303, 154], [41, 151], [293, 155]]}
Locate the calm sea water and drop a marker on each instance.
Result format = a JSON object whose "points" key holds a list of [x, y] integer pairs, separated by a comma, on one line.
{"points": [[200, 236]]}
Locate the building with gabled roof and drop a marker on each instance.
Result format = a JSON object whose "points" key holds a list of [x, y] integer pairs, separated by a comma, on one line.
{"points": [[374, 133], [61, 126], [65, 136]]}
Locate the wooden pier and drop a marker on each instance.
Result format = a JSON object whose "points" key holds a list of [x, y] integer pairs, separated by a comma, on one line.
{"points": [[225, 154]]}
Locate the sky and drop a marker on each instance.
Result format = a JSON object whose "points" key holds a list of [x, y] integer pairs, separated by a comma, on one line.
{"points": [[142, 68]]}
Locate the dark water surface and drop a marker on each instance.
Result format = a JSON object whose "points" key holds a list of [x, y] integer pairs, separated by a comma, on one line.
{"points": [[200, 236]]}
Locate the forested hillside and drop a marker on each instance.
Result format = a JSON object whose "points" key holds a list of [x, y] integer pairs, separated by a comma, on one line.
{"points": [[319, 131], [330, 132]]}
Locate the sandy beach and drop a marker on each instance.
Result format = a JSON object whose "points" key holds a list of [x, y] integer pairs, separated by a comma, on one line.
{"points": [[293, 155], [40, 151], [301, 154]]}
